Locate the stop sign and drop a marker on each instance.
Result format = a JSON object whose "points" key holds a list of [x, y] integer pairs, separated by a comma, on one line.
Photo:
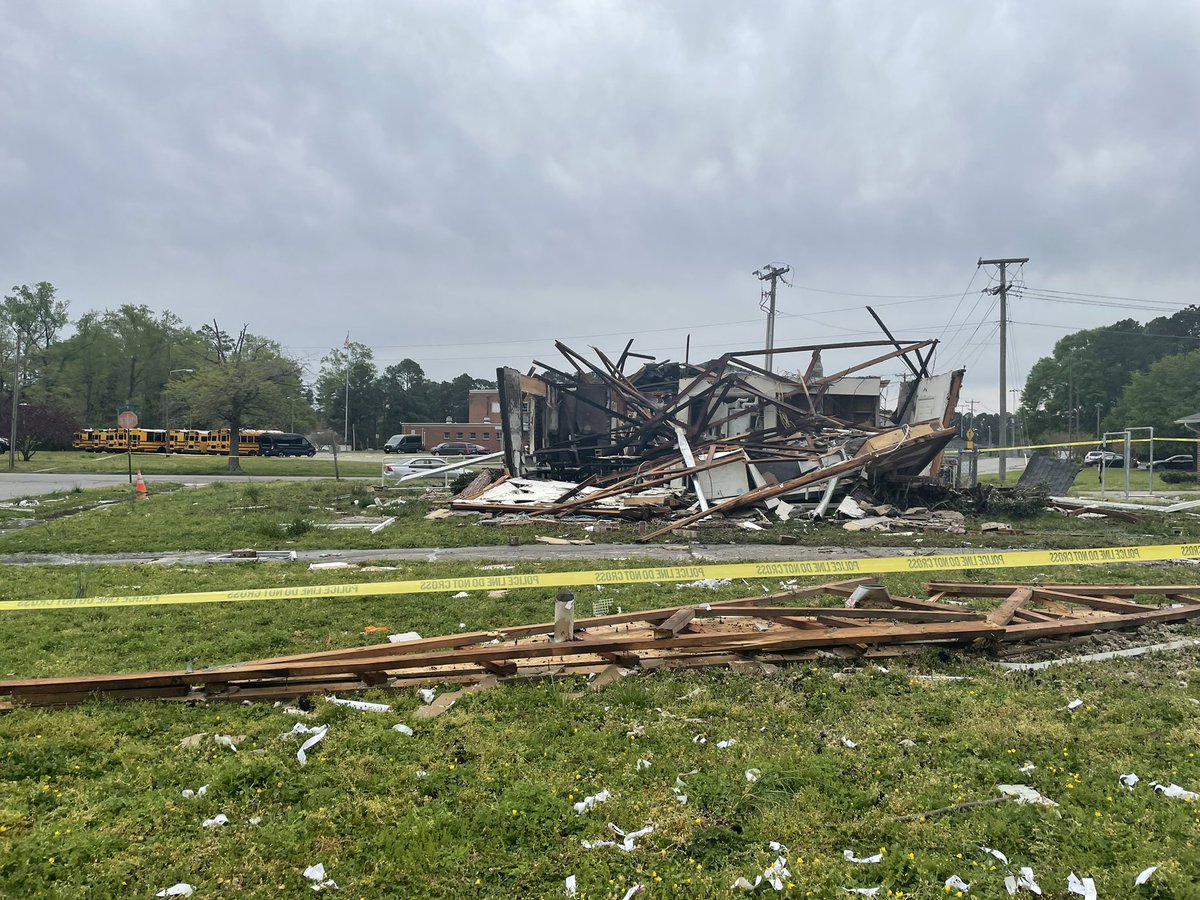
{"points": [[127, 419]]}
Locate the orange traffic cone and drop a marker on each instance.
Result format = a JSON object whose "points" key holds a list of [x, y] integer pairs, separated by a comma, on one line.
{"points": [[140, 489]]}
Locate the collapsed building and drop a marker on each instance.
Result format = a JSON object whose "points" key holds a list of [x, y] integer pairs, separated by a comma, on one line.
{"points": [[627, 436]]}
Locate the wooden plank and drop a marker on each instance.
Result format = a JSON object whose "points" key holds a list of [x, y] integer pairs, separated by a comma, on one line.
{"points": [[1108, 623], [1003, 614], [748, 643], [951, 614], [1109, 604], [676, 623], [1004, 588]]}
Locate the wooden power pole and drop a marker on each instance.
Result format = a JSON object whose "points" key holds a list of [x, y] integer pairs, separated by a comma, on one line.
{"points": [[1002, 290], [772, 273]]}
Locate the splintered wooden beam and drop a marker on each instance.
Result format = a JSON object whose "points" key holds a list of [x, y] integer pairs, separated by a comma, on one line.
{"points": [[1003, 614], [676, 623]]}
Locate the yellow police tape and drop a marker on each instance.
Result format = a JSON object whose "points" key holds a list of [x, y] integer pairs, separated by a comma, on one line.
{"points": [[813, 568]]}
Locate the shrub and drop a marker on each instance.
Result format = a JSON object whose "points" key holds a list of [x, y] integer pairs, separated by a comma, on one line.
{"points": [[1172, 477]]}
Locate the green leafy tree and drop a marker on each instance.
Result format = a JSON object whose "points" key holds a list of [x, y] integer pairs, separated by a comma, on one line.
{"points": [[244, 379], [355, 365], [1169, 390], [32, 317]]}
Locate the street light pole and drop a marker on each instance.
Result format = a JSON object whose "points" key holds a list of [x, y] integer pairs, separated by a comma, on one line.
{"points": [[1098, 405]]}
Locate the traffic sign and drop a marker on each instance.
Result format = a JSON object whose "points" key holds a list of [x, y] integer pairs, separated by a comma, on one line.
{"points": [[127, 419]]}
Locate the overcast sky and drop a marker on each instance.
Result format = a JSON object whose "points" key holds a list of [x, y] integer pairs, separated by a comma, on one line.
{"points": [[461, 182]]}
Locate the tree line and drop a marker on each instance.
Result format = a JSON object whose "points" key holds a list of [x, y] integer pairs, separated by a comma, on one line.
{"points": [[1127, 374], [62, 375]]}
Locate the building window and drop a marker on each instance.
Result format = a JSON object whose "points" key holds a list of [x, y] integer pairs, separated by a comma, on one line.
{"points": [[487, 435], [472, 435], [460, 435], [495, 406], [446, 435]]}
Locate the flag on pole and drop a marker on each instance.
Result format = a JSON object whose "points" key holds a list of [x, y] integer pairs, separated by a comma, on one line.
{"points": [[346, 343]]}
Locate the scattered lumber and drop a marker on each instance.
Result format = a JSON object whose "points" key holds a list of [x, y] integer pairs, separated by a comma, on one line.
{"points": [[749, 634]]}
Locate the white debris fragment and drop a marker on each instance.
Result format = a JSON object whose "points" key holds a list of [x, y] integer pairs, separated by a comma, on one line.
{"points": [[680, 788], [404, 637], [752, 775], [908, 742], [1074, 705], [421, 773], [1026, 881], [713, 584], [296, 711], [633, 890], [403, 729], [957, 884], [256, 820], [218, 819], [641, 764], [571, 887], [726, 744], [316, 874], [846, 742], [849, 856], [182, 889], [188, 793], [318, 735], [1023, 793], [360, 705], [1174, 790], [1144, 876], [996, 853], [426, 694], [699, 739], [461, 595], [225, 741], [591, 800], [1028, 767], [865, 892], [774, 874], [1129, 780], [1084, 887], [628, 840]]}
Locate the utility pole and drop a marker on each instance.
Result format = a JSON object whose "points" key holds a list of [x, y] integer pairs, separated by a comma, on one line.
{"points": [[12, 437], [771, 273], [1015, 407], [1002, 290]]}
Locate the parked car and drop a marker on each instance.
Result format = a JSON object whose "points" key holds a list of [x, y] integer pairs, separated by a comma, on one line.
{"points": [[1111, 460], [3, 445], [458, 448], [418, 465], [404, 443], [1182, 462]]}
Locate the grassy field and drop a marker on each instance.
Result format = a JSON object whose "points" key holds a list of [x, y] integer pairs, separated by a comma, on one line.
{"points": [[288, 515], [479, 802], [77, 462]]}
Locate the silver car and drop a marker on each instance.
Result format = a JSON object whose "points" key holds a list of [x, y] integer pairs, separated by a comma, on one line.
{"points": [[418, 465]]}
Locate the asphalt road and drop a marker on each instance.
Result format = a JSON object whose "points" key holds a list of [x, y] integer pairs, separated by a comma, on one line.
{"points": [[20, 484]]}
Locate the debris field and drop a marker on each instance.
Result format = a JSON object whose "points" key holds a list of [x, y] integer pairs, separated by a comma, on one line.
{"points": [[750, 634]]}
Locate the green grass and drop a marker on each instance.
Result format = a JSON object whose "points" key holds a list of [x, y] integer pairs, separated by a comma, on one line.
{"points": [[1087, 482], [90, 802], [77, 462], [286, 515]]}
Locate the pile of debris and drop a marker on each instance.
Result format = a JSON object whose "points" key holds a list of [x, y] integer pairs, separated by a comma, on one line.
{"points": [[714, 437], [754, 634]]}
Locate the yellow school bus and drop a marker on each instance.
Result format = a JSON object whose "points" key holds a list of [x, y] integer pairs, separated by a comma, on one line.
{"points": [[147, 440], [85, 440]]}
